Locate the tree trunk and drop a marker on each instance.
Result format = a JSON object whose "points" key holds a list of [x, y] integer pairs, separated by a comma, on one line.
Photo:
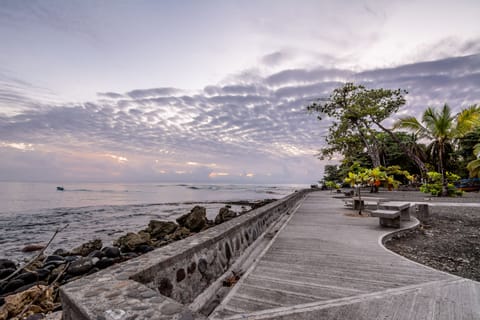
{"points": [[408, 152], [442, 169], [372, 149]]}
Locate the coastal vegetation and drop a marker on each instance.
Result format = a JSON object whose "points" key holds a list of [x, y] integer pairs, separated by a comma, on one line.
{"points": [[364, 132]]}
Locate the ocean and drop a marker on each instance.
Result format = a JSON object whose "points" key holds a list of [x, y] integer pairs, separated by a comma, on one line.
{"points": [[31, 212]]}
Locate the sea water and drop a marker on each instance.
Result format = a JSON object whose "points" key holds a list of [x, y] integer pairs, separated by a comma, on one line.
{"points": [[30, 213]]}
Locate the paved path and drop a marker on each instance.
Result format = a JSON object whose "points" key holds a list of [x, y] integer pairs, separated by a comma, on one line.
{"points": [[327, 263]]}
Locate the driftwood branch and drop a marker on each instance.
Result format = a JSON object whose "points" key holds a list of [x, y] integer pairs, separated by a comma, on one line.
{"points": [[29, 263]]}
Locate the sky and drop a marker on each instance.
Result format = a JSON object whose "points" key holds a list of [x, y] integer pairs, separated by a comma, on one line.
{"points": [[214, 90]]}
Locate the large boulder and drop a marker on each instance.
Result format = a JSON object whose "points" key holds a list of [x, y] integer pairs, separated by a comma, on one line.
{"points": [[86, 248], [195, 220], [224, 214], [132, 241], [159, 229]]}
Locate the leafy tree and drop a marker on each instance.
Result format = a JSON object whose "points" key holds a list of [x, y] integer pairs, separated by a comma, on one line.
{"points": [[442, 127], [355, 111], [331, 173], [474, 165]]}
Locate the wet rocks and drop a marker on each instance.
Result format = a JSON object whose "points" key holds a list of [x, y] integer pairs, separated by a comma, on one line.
{"points": [[159, 229], [132, 241], [86, 248], [81, 266], [179, 234], [111, 252], [33, 247], [194, 221], [225, 214], [7, 264]]}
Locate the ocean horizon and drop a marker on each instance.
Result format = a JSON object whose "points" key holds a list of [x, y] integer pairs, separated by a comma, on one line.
{"points": [[30, 212]]}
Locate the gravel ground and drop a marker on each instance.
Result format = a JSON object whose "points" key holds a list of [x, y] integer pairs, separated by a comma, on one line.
{"points": [[449, 240]]}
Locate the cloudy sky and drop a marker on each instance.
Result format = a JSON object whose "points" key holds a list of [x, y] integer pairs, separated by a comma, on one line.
{"points": [[211, 91]]}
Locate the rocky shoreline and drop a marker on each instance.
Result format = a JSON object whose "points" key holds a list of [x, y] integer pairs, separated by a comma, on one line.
{"points": [[32, 292], [448, 240]]}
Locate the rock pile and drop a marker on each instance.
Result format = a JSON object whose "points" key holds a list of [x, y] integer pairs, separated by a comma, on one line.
{"points": [[42, 278]]}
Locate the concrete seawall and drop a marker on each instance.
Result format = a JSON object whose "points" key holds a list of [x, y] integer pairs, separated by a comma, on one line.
{"points": [[173, 282]]}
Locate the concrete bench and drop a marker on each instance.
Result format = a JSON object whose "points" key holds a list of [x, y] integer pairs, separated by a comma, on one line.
{"points": [[403, 207], [388, 218], [367, 202]]}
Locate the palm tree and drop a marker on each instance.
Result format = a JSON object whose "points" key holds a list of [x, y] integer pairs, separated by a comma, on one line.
{"points": [[474, 166], [442, 128]]}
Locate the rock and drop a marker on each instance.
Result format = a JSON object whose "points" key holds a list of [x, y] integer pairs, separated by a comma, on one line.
{"points": [[14, 304], [61, 252], [159, 229], [27, 277], [81, 266], [37, 316], [224, 214], [104, 263], [72, 258], [96, 254], [6, 272], [180, 233], [86, 248], [195, 220], [144, 248], [131, 241], [7, 264], [111, 252], [12, 285], [33, 247], [129, 255], [55, 258]]}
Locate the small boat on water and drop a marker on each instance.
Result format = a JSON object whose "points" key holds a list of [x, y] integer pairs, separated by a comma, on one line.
{"points": [[60, 188]]}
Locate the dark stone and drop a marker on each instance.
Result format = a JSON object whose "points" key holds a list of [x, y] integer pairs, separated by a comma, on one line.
{"points": [[33, 247], [81, 266], [7, 264], [180, 275], [28, 286], [195, 220], [129, 255], [144, 248], [72, 258], [13, 285], [61, 252], [202, 266], [159, 229], [86, 248], [165, 287], [104, 263], [6, 272], [53, 264], [93, 270], [2, 301], [42, 274], [27, 277], [54, 258], [96, 254], [224, 214], [192, 267], [111, 252], [36, 316]]}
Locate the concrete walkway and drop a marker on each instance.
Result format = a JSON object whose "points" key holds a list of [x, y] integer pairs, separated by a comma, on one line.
{"points": [[327, 263]]}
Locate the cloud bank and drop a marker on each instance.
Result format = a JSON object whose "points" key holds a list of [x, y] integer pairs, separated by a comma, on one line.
{"points": [[252, 127]]}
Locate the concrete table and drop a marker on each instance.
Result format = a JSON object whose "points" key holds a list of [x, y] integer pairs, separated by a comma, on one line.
{"points": [[403, 207]]}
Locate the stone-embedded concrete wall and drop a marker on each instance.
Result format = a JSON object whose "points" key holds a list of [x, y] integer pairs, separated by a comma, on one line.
{"points": [[160, 283]]}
